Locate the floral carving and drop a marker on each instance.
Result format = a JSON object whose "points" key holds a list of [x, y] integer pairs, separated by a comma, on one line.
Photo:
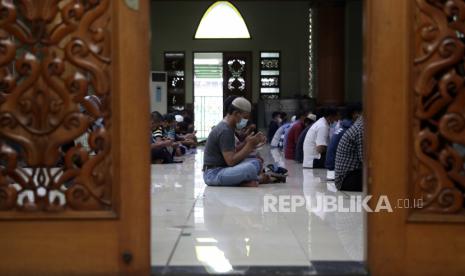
{"points": [[439, 118], [54, 54]]}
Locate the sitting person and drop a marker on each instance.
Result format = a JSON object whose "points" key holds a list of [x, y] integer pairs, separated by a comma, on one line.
{"points": [[299, 147], [169, 126], [278, 138], [293, 135], [351, 114], [159, 145], [274, 125], [187, 140], [223, 165], [169, 132], [317, 139], [349, 159], [287, 129], [187, 118], [96, 123]]}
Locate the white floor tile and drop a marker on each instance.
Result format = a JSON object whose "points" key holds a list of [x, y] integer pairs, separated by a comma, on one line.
{"points": [[220, 227]]}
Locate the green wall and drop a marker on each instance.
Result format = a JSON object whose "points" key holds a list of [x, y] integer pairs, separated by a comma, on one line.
{"points": [[273, 25], [353, 50]]}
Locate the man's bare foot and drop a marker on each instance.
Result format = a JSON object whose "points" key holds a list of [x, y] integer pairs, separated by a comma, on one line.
{"points": [[252, 184]]}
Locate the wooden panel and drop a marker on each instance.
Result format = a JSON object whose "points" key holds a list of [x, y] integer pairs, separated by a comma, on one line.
{"points": [[55, 89], [396, 245], [330, 54], [438, 119], [93, 244]]}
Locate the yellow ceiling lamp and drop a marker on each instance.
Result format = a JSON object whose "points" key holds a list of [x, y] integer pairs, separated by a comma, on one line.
{"points": [[222, 20]]}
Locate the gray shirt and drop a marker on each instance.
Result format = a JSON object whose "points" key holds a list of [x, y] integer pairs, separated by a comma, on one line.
{"points": [[221, 139]]}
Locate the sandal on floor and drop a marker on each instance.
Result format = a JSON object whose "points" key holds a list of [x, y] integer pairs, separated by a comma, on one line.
{"points": [[272, 178], [277, 169], [277, 178]]}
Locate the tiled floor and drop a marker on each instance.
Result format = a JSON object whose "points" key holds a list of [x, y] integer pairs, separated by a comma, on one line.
{"points": [[224, 227]]}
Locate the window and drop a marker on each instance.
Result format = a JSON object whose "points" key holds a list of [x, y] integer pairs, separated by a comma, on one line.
{"points": [[222, 20], [270, 75]]}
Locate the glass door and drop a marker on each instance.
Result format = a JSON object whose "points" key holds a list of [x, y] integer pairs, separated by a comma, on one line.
{"points": [[208, 91]]}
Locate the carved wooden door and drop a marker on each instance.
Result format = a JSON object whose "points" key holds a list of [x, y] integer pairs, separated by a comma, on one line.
{"points": [[237, 74], [415, 99], [74, 153]]}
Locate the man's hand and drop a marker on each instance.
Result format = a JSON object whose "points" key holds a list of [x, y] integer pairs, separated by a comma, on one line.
{"points": [[262, 138], [253, 140], [189, 136]]}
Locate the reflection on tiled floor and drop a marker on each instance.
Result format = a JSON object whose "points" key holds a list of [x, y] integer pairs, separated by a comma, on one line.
{"points": [[225, 227]]}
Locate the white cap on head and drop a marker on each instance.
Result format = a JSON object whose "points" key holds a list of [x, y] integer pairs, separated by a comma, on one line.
{"points": [[179, 118], [242, 104], [311, 116]]}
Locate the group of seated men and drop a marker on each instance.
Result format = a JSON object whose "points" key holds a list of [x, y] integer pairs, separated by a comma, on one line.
{"points": [[324, 141], [318, 141], [172, 135]]}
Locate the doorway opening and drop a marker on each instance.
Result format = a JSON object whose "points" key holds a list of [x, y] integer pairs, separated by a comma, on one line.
{"points": [[208, 92], [221, 231]]}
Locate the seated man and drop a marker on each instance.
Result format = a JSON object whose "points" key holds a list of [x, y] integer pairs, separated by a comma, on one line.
{"points": [[293, 135], [274, 124], [351, 114], [169, 132], [159, 144], [223, 165], [278, 138], [299, 147], [186, 139], [317, 139], [349, 159], [169, 126]]}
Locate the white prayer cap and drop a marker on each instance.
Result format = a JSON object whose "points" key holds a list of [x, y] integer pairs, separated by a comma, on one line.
{"points": [[311, 116], [242, 104], [179, 118]]}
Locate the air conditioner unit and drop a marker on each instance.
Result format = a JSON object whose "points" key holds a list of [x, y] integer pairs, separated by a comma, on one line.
{"points": [[158, 92]]}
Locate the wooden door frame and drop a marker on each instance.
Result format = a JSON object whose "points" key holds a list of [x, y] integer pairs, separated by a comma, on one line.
{"points": [[399, 243], [386, 80], [135, 216]]}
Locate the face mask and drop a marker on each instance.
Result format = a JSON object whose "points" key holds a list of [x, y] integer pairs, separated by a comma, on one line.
{"points": [[279, 120], [242, 123]]}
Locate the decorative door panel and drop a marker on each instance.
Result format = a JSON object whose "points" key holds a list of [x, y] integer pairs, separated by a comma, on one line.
{"points": [[237, 74], [439, 113], [414, 99], [55, 108], [74, 148]]}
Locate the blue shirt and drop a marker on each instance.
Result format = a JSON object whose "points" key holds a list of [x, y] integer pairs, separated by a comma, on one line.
{"points": [[278, 136], [286, 132], [331, 153]]}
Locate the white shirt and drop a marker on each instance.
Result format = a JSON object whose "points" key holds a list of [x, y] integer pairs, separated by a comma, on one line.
{"points": [[317, 135]]}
